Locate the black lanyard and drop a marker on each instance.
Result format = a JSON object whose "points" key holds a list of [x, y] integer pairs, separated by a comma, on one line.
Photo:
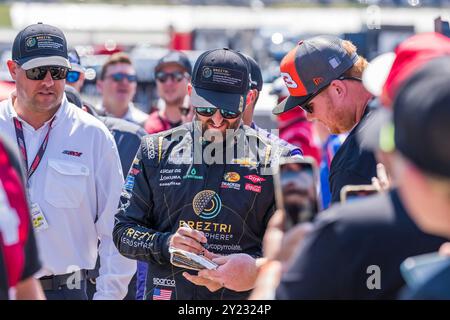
{"points": [[23, 149]]}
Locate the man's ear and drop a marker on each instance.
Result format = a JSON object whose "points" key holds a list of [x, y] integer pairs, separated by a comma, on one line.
{"points": [[250, 97], [338, 88], [189, 88], [12, 67]]}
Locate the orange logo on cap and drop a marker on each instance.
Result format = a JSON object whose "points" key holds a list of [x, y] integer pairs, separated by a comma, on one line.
{"points": [[317, 80]]}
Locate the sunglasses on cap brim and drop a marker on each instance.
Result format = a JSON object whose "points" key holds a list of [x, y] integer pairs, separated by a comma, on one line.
{"points": [[209, 112], [39, 73]]}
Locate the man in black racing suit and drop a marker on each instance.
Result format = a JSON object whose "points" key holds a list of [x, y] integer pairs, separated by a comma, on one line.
{"points": [[221, 187]]}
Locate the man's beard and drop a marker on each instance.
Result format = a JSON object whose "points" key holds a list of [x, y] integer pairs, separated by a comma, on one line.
{"points": [[213, 134]]}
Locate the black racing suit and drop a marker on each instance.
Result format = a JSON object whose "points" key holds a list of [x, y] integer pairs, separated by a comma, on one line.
{"points": [[167, 184]]}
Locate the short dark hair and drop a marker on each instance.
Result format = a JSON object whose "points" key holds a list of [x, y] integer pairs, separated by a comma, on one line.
{"points": [[116, 58]]}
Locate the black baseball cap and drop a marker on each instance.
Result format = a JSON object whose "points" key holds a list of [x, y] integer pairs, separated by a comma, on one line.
{"points": [[221, 79], [255, 73], [422, 117], [40, 45], [312, 65], [174, 57]]}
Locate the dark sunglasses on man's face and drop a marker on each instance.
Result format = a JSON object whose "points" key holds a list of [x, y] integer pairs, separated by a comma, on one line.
{"points": [[209, 112], [39, 73], [117, 77], [307, 105], [175, 76], [73, 76]]}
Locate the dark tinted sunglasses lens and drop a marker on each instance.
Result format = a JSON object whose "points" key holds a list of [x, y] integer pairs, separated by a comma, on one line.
{"points": [[73, 76], [132, 78], [39, 73], [118, 77], [161, 76], [58, 73], [36, 73], [228, 114], [178, 76], [206, 112]]}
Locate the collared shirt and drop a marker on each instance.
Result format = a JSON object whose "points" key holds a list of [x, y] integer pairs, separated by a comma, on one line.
{"points": [[133, 114], [77, 186], [353, 164]]}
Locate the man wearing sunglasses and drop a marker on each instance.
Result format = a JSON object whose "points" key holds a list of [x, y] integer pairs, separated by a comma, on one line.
{"points": [[127, 136], [212, 175], [117, 84], [172, 75], [75, 76], [323, 76], [73, 171]]}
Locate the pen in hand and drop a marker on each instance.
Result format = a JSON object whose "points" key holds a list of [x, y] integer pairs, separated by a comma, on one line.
{"points": [[203, 244]]}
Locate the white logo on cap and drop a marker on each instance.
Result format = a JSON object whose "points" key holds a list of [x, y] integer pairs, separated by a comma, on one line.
{"points": [[30, 42], [207, 72], [290, 83], [334, 62]]}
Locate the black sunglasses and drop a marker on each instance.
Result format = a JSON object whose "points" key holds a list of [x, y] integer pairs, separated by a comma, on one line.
{"points": [[209, 112], [39, 73], [175, 76], [117, 77], [307, 106]]}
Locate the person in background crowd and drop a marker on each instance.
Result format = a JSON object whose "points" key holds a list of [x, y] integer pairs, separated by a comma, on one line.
{"points": [[117, 85], [422, 164], [323, 76], [256, 85], [73, 171], [76, 75], [127, 134], [19, 259], [172, 74]]}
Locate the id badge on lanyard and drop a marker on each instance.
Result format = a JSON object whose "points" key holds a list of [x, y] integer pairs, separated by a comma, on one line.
{"points": [[38, 218]]}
